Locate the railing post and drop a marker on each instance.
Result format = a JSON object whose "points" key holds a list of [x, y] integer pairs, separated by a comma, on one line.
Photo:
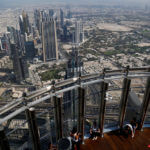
{"points": [[146, 101], [124, 99], [104, 88], [31, 118], [81, 108], [73, 106], [4, 145], [58, 116]]}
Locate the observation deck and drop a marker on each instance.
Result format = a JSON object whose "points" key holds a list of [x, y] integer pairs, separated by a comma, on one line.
{"points": [[111, 98], [115, 141]]}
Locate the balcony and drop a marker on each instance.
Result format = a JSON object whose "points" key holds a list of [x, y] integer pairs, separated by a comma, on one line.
{"points": [[115, 141], [111, 98]]}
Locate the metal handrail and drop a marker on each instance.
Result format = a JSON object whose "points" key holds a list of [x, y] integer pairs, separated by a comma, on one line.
{"points": [[71, 84]]}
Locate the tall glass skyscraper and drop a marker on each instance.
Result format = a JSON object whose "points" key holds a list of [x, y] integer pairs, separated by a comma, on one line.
{"points": [[79, 33], [61, 18], [19, 64], [24, 23], [49, 39], [37, 19]]}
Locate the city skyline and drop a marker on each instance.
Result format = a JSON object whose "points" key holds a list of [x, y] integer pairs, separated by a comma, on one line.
{"points": [[80, 65]]}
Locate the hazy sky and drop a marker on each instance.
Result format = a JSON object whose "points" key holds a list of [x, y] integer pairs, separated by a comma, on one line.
{"points": [[10, 3]]}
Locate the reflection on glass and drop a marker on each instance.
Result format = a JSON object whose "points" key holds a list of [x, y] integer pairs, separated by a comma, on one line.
{"points": [[135, 99], [70, 111], [92, 101], [113, 97], [147, 118]]}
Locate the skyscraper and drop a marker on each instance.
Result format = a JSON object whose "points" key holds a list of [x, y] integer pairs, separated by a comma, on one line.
{"points": [[24, 23], [19, 64], [61, 18], [16, 63], [51, 12], [4, 43], [12, 34], [79, 33], [65, 31], [49, 39], [69, 14], [24, 67], [16, 37], [30, 50], [74, 65], [37, 19]]}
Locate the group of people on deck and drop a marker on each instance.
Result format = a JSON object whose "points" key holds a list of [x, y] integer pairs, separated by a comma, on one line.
{"points": [[130, 127], [76, 136], [95, 132]]}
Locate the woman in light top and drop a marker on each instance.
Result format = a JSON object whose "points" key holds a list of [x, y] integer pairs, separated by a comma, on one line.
{"points": [[132, 126]]}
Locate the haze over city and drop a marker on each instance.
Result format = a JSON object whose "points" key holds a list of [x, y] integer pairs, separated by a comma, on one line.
{"points": [[20, 3]]}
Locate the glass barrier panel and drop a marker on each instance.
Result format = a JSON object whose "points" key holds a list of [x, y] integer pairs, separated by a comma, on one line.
{"points": [[112, 110], [92, 102], [135, 99], [70, 111], [46, 123], [147, 118], [17, 132]]}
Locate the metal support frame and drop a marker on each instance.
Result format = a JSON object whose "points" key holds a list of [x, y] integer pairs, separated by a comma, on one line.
{"points": [[104, 88], [81, 109], [58, 116], [4, 145], [124, 99], [146, 102], [73, 106], [31, 118]]}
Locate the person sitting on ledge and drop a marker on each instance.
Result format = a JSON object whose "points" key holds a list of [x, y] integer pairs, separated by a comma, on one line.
{"points": [[132, 126], [75, 138], [94, 131]]}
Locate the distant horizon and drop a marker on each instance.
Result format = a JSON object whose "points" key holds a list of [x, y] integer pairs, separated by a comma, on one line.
{"points": [[20, 3]]}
